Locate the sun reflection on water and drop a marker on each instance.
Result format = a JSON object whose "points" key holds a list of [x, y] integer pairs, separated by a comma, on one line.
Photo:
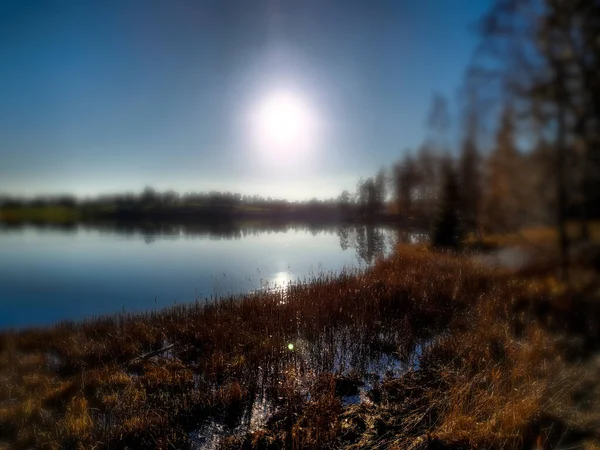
{"points": [[281, 280]]}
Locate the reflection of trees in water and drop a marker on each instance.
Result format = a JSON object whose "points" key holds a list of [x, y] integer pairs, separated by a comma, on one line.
{"points": [[371, 242], [218, 231], [61, 227], [150, 231], [344, 235], [368, 241], [411, 237]]}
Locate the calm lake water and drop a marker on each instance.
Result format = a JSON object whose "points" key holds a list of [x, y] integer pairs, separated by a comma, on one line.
{"points": [[48, 275]]}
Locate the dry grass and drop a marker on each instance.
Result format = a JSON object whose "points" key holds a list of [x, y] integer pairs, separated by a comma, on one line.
{"points": [[490, 371]]}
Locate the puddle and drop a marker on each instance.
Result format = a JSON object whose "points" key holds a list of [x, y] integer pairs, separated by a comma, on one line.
{"points": [[343, 352], [385, 367], [210, 434]]}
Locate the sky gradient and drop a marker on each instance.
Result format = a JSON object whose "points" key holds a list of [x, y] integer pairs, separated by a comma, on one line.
{"points": [[110, 96]]}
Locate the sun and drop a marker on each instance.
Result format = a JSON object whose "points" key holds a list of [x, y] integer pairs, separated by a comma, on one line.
{"points": [[283, 118], [284, 124]]}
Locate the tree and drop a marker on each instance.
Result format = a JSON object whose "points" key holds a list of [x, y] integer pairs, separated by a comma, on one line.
{"points": [[149, 196], [428, 175], [503, 187], [549, 54], [447, 228], [470, 175], [370, 193], [541, 167], [380, 191], [568, 42], [344, 202], [170, 197], [405, 177], [361, 197]]}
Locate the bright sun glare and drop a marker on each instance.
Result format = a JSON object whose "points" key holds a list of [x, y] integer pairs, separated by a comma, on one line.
{"points": [[285, 125]]}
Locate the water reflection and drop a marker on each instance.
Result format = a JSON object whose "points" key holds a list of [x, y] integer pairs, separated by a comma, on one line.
{"points": [[54, 272], [213, 230], [368, 241], [280, 280], [373, 242]]}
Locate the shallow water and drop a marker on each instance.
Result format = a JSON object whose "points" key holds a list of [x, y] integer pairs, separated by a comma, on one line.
{"points": [[376, 367], [49, 275]]}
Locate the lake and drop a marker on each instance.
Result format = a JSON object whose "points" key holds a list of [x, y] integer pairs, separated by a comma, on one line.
{"points": [[49, 274]]}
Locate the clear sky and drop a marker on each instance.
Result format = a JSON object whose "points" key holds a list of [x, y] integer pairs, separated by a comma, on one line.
{"points": [[114, 95]]}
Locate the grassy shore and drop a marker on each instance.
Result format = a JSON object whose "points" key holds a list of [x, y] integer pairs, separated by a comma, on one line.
{"points": [[442, 353]]}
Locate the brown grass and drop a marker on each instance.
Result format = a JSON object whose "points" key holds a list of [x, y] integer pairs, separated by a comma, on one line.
{"points": [[488, 372]]}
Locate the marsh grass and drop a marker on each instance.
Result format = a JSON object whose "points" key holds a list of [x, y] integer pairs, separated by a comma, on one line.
{"points": [[488, 371]]}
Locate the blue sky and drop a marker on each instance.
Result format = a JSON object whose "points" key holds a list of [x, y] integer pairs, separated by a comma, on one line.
{"points": [[114, 95]]}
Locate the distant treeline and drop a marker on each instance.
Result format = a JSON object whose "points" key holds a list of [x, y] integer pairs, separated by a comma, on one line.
{"points": [[172, 206]]}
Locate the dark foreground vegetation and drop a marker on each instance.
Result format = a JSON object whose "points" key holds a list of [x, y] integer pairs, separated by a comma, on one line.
{"points": [[423, 350]]}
